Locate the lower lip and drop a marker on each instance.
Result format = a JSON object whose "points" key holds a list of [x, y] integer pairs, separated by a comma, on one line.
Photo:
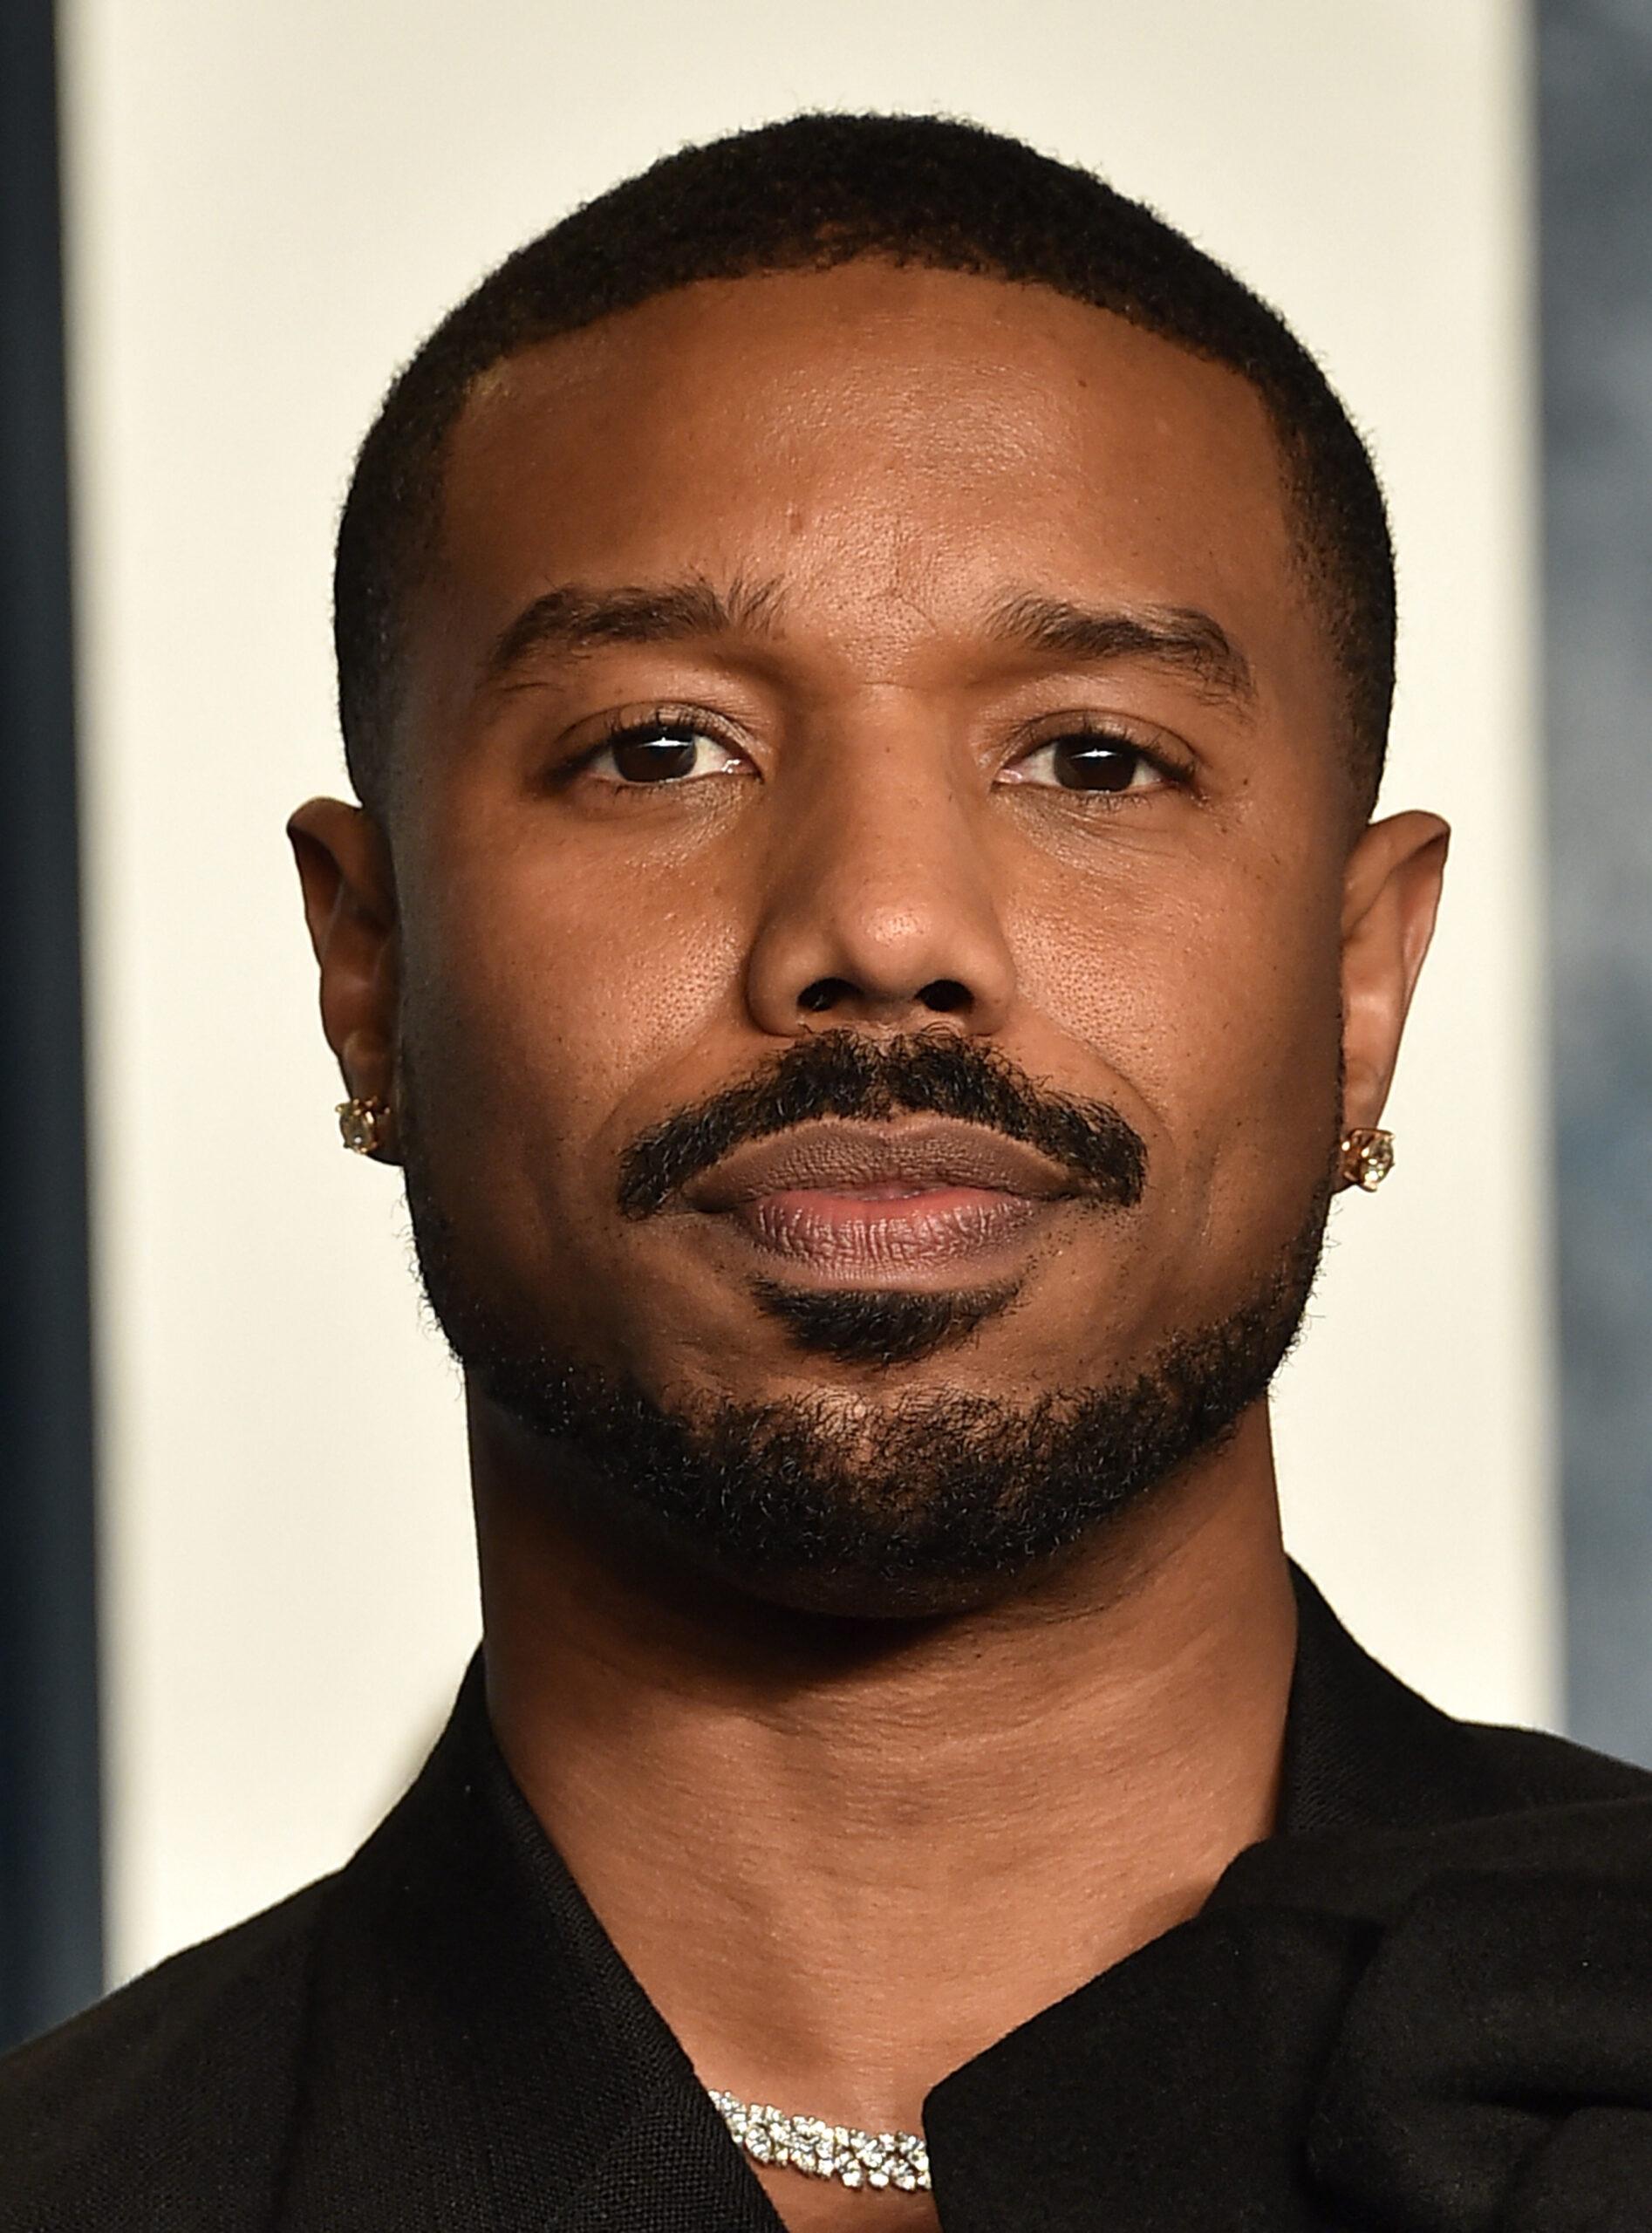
{"points": [[871, 1231]]}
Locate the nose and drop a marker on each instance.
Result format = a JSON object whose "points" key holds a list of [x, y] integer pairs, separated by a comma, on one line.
{"points": [[880, 910]]}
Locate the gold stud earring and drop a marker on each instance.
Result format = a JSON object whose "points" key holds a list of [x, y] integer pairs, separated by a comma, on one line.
{"points": [[1366, 1159], [364, 1124]]}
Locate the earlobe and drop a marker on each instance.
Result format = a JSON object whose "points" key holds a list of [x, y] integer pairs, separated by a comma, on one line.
{"points": [[1391, 894], [349, 895]]}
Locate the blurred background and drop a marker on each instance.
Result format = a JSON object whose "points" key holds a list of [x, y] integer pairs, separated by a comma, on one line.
{"points": [[236, 1580]]}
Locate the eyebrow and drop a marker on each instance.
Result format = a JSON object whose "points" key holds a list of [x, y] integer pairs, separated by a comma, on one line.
{"points": [[570, 619], [1177, 636]]}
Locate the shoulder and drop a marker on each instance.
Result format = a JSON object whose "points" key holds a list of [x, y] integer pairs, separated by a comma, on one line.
{"points": [[1537, 1770], [1363, 1752], [165, 2106]]}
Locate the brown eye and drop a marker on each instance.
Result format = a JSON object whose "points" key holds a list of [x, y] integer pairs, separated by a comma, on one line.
{"points": [[1094, 763], [1087, 760], [664, 752]]}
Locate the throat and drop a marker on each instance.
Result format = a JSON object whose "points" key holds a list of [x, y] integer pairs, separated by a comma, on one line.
{"points": [[843, 1858]]}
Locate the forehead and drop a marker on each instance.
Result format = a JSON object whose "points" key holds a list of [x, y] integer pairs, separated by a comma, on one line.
{"points": [[889, 444]]}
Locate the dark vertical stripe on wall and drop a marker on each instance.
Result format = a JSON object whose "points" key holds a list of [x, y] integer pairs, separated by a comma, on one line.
{"points": [[50, 1891], [1595, 143]]}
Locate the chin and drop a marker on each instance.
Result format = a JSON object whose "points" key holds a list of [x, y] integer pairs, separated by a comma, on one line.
{"points": [[849, 1597]]}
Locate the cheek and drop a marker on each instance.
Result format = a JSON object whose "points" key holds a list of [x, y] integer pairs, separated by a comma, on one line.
{"points": [[544, 1000], [1271, 1141], [1215, 997]]}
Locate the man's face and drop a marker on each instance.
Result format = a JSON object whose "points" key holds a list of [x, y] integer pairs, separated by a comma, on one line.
{"points": [[870, 652]]}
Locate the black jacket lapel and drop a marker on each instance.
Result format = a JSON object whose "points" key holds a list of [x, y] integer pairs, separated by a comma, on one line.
{"points": [[1240, 2075], [1362, 1749], [479, 2057]]}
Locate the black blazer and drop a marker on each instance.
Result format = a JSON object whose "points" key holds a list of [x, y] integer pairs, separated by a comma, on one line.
{"points": [[1425, 2006]]}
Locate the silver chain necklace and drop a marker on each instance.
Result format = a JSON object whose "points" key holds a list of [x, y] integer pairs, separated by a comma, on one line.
{"points": [[840, 2152]]}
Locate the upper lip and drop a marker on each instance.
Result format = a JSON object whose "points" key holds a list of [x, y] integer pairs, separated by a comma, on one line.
{"points": [[836, 1154]]}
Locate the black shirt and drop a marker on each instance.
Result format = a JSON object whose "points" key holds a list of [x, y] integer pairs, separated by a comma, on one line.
{"points": [[1424, 2007]]}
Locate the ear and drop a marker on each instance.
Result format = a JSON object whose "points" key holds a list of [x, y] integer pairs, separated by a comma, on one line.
{"points": [[1391, 892], [350, 904]]}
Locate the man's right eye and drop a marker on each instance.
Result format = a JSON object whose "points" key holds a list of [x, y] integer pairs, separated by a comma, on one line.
{"points": [[664, 752]]}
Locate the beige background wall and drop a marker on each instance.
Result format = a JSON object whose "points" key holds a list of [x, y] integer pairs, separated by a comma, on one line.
{"points": [[270, 202]]}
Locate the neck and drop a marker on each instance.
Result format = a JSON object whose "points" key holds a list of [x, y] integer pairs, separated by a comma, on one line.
{"points": [[843, 1858]]}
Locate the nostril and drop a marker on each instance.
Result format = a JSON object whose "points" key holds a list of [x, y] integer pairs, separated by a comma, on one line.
{"points": [[825, 993], [945, 996]]}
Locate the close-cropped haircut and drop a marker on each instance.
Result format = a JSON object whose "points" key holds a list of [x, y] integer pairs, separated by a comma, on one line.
{"points": [[817, 191]]}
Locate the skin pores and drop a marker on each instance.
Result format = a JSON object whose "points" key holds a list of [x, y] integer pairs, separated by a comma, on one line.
{"points": [[882, 462]]}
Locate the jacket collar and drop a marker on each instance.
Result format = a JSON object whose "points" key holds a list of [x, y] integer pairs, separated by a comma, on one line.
{"points": [[1171, 2094], [1361, 1751], [1358, 2027], [478, 2056]]}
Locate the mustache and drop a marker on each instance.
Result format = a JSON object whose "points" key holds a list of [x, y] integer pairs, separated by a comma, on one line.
{"points": [[925, 1073]]}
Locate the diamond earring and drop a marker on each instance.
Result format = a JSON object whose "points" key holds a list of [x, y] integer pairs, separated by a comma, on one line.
{"points": [[1366, 1158], [364, 1124]]}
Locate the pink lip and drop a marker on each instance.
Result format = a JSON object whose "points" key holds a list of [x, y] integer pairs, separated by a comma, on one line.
{"points": [[916, 1155], [862, 1234]]}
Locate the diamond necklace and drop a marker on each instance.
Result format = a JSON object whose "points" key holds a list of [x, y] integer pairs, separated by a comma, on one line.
{"points": [[840, 2152]]}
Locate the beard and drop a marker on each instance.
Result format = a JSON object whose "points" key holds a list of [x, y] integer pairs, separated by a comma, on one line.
{"points": [[840, 1502]]}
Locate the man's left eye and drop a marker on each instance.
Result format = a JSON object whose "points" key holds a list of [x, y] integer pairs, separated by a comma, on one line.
{"points": [[664, 752], [1085, 761]]}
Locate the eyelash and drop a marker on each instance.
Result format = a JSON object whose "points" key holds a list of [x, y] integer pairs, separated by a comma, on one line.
{"points": [[640, 728], [646, 727], [1173, 774]]}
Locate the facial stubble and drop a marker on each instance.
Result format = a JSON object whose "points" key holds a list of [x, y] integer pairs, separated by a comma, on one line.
{"points": [[846, 1499]]}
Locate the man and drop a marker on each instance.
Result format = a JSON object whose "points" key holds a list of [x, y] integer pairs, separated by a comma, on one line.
{"points": [[865, 659]]}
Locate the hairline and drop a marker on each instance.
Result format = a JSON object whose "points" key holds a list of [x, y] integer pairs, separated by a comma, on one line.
{"points": [[421, 555]]}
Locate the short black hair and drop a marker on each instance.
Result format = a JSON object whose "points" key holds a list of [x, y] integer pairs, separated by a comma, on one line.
{"points": [[809, 193]]}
